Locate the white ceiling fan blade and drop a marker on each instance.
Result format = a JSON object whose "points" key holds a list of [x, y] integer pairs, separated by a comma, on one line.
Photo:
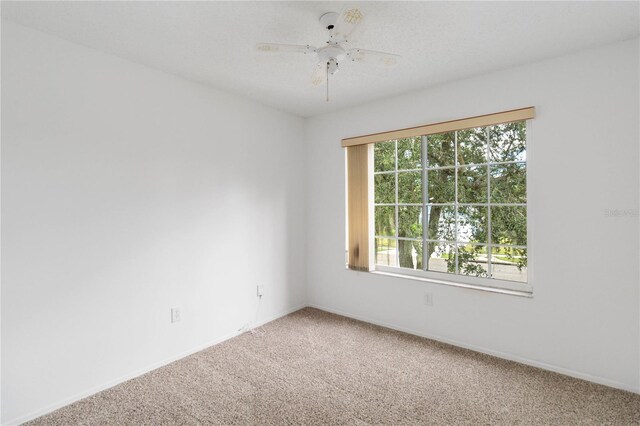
{"points": [[373, 57], [275, 47], [347, 22], [320, 75]]}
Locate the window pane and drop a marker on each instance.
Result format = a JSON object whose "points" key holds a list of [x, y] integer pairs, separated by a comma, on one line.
{"points": [[386, 252], [509, 183], [461, 215], [472, 224], [410, 254], [442, 186], [472, 146], [384, 156], [385, 188], [440, 149], [507, 142], [472, 260], [410, 221], [409, 153], [410, 187], [441, 257], [509, 225], [472, 185], [385, 221], [441, 223], [508, 263]]}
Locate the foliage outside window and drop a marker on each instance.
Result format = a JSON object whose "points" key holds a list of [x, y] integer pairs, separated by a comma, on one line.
{"points": [[454, 203]]}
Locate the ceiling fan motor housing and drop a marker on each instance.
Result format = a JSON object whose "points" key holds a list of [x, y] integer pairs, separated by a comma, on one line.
{"points": [[332, 54]]}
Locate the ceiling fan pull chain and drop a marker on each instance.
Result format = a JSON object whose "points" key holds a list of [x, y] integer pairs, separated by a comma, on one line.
{"points": [[327, 81]]}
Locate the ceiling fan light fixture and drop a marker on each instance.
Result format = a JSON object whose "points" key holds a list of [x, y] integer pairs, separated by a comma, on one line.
{"points": [[332, 66], [331, 51]]}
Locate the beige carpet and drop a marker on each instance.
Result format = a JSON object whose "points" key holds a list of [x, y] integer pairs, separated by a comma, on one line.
{"points": [[312, 367]]}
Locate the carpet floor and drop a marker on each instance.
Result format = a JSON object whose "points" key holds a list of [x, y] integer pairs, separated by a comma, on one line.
{"points": [[312, 367]]}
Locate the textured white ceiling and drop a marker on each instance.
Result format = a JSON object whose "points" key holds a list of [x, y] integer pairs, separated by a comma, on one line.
{"points": [[213, 42]]}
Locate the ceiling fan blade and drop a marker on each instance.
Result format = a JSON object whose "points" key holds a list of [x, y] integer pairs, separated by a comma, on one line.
{"points": [[347, 22], [275, 47], [373, 57], [320, 75]]}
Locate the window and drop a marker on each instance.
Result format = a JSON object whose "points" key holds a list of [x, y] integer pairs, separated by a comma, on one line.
{"points": [[452, 205]]}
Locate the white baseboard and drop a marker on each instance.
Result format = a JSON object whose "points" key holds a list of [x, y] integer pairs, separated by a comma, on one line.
{"points": [[503, 355], [510, 357], [129, 376]]}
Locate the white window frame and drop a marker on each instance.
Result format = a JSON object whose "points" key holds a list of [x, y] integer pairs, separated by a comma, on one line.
{"points": [[456, 279]]}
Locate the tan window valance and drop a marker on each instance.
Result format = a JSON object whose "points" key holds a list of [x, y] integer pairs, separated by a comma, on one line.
{"points": [[445, 126]]}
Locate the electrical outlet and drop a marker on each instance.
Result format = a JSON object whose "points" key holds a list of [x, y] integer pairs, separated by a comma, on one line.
{"points": [[176, 314], [428, 299], [260, 290]]}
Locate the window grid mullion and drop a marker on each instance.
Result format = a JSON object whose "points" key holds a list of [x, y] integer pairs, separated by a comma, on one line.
{"points": [[471, 243], [455, 201], [395, 168], [489, 254], [388, 172], [491, 163], [479, 204], [399, 204], [425, 198]]}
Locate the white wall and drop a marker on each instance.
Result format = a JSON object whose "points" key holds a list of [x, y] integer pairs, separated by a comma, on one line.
{"points": [[126, 191], [583, 159]]}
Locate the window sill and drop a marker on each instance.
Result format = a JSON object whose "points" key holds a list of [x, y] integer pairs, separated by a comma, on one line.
{"points": [[519, 293]]}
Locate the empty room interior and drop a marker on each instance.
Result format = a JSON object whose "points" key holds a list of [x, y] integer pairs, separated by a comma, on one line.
{"points": [[322, 212]]}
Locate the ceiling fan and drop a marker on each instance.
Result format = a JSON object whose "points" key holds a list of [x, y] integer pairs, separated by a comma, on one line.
{"points": [[341, 26]]}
